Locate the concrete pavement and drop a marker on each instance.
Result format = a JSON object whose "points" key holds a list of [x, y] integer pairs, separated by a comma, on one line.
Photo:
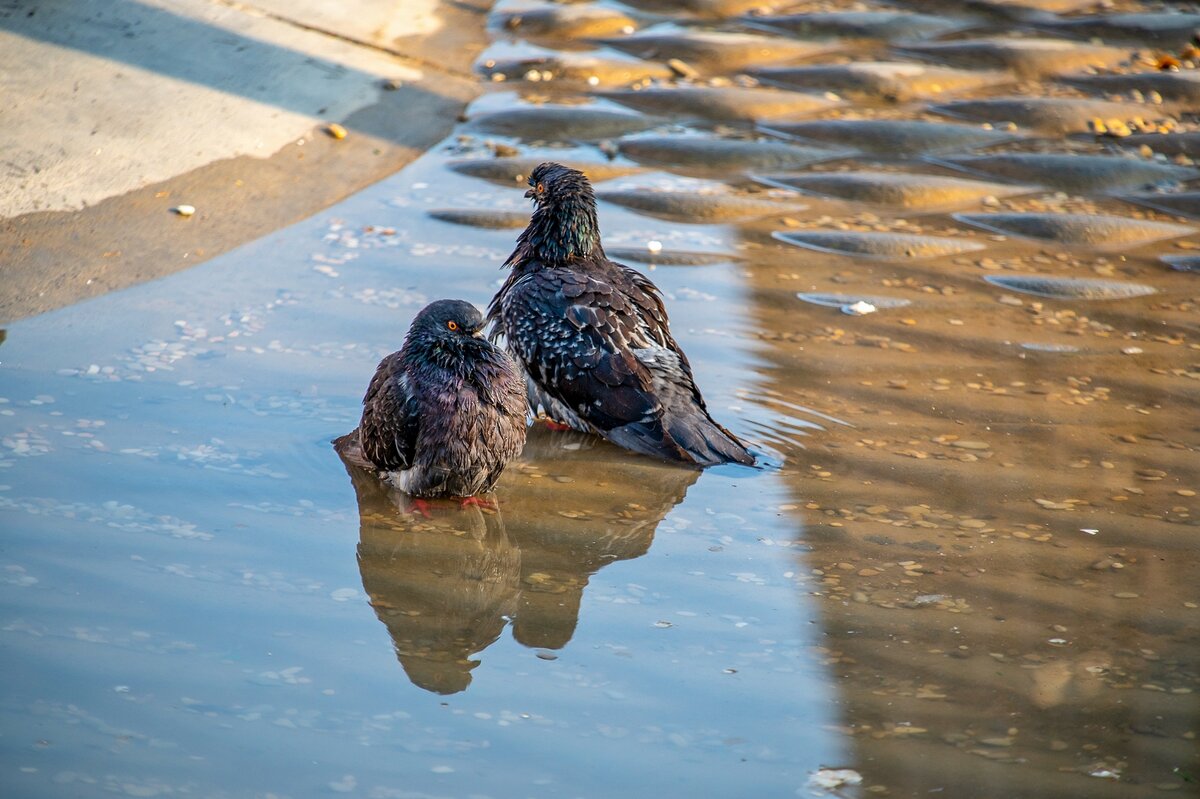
{"points": [[115, 112]]}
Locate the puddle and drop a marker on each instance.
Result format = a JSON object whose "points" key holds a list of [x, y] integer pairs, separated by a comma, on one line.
{"points": [[967, 568], [551, 123], [722, 103], [1075, 173], [1063, 288], [888, 80], [888, 137], [856, 24], [695, 206], [1089, 230], [724, 156], [879, 245], [900, 189], [481, 217], [1169, 29], [713, 51], [514, 172], [1053, 115], [1025, 57]]}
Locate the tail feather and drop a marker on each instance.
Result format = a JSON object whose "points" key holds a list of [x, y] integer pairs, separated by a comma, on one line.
{"points": [[706, 441], [694, 438], [648, 438]]}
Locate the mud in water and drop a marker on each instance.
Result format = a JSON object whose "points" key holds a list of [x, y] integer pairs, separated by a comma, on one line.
{"points": [[950, 298]]}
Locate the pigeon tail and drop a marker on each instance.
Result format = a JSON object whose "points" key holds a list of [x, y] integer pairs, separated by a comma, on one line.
{"points": [[707, 442], [694, 439]]}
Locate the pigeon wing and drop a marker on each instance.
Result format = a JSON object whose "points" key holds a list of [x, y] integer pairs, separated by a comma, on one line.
{"points": [[391, 418], [578, 336]]}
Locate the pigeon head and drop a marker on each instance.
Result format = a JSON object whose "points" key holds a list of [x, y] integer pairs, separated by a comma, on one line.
{"points": [[564, 224], [447, 331], [553, 184]]}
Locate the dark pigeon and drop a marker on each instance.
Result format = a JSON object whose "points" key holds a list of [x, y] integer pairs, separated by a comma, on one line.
{"points": [[445, 414], [592, 335]]}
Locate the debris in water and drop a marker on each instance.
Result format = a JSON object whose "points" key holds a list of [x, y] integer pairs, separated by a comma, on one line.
{"points": [[860, 308], [682, 69], [828, 779]]}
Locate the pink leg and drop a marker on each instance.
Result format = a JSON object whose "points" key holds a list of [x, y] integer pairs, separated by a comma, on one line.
{"points": [[479, 502], [421, 507], [553, 425]]}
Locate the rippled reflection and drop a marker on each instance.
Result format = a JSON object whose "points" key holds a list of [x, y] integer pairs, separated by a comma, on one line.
{"points": [[446, 581]]}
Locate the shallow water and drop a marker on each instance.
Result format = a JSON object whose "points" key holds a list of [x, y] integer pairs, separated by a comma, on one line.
{"points": [[968, 567]]}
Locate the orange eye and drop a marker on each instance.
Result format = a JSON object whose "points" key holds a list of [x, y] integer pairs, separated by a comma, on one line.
{"points": [[452, 325], [541, 188]]}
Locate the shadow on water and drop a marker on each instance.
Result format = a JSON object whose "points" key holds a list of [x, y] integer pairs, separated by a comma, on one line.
{"points": [[446, 584]]}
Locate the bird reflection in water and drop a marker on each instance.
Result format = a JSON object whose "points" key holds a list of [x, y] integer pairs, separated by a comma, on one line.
{"points": [[446, 584]]}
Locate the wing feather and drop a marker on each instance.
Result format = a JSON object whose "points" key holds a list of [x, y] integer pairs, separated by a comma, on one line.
{"points": [[390, 420], [573, 333], [594, 339]]}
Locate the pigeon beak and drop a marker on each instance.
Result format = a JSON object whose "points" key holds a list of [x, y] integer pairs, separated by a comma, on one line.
{"points": [[478, 332], [529, 195]]}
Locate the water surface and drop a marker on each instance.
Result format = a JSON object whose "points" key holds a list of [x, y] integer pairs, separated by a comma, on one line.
{"points": [[967, 568]]}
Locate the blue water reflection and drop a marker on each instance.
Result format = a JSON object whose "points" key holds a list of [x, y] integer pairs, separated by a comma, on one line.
{"points": [[197, 600]]}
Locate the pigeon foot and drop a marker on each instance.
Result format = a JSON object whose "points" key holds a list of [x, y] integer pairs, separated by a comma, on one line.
{"points": [[421, 507], [478, 502]]}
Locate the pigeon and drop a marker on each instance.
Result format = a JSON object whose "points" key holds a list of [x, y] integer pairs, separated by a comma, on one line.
{"points": [[592, 335], [443, 415]]}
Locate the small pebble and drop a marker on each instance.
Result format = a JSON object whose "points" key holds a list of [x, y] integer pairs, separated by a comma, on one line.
{"points": [[682, 69]]}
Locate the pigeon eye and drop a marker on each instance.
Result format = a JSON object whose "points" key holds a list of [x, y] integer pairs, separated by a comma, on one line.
{"points": [[452, 325], [541, 188]]}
